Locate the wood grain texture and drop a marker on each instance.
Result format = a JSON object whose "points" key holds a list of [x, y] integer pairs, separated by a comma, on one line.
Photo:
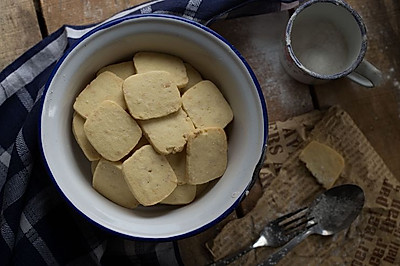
{"points": [[376, 111], [258, 39], [73, 12], [19, 29]]}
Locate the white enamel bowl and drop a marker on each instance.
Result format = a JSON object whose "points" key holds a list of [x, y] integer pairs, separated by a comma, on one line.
{"points": [[217, 60]]}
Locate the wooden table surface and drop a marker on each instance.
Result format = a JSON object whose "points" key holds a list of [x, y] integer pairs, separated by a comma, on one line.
{"points": [[376, 111]]}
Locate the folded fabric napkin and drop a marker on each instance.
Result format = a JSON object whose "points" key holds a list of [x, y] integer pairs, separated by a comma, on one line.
{"points": [[38, 227]]}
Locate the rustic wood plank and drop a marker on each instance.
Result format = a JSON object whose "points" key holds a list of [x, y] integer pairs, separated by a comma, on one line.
{"points": [[258, 39], [376, 111], [18, 28], [76, 12]]}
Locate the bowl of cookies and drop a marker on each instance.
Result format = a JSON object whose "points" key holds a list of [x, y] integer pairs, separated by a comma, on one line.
{"points": [[153, 127]]}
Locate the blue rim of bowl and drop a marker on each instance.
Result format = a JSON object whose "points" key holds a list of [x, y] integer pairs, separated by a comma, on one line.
{"points": [[257, 167]]}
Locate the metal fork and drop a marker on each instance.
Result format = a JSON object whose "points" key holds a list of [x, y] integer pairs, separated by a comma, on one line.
{"points": [[274, 234]]}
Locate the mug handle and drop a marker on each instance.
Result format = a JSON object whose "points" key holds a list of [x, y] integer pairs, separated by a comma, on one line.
{"points": [[366, 74]]}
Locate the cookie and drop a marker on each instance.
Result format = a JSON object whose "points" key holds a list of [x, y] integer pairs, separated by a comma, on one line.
{"points": [[206, 155], [324, 163], [182, 194], [193, 75], [93, 166], [149, 176], [122, 70], [109, 181], [106, 86], [206, 105], [112, 131], [168, 134], [178, 164], [151, 61], [203, 188], [151, 95], [80, 137]]}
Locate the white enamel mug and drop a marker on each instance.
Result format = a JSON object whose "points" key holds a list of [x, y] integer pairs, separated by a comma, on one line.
{"points": [[326, 40]]}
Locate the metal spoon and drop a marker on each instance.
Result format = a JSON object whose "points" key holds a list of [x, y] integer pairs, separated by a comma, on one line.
{"points": [[331, 212]]}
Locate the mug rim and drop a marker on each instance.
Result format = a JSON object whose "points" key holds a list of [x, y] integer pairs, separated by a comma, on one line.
{"points": [[362, 51]]}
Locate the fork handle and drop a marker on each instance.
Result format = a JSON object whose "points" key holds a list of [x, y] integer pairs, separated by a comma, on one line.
{"points": [[277, 256], [229, 259]]}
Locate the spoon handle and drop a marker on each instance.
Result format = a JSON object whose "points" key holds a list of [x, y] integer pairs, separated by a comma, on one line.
{"points": [[277, 256]]}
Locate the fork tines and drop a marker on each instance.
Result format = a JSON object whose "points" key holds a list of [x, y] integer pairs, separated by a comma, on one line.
{"points": [[295, 222]]}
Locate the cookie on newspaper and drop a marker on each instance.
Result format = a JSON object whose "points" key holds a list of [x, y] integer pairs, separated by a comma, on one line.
{"points": [[324, 163], [112, 131], [168, 134], [151, 95], [106, 86], [152, 61], [206, 105], [206, 155], [109, 181], [149, 176]]}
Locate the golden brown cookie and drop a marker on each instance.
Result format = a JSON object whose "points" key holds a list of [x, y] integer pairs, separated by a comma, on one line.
{"points": [[112, 131], [182, 194], [324, 163], [109, 182], [206, 155], [122, 70], [80, 137], [151, 95], [168, 134], [149, 176], [106, 86], [193, 75], [152, 61], [178, 164], [206, 105]]}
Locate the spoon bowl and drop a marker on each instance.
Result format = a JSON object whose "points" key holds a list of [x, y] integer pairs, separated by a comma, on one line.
{"points": [[334, 210]]}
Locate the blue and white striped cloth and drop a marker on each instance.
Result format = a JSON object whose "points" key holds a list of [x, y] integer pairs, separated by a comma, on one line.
{"points": [[37, 226]]}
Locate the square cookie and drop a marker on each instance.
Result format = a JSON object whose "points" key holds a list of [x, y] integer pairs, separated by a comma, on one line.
{"points": [[149, 176], [206, 105], [206, 155], [122, 70], [152, 61], [182, 194], [106, 86], [194, 77], [151, 95], [109, 181], [178, 164], [112, 131], [168, 134], [323, 162], [80, 137]]}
